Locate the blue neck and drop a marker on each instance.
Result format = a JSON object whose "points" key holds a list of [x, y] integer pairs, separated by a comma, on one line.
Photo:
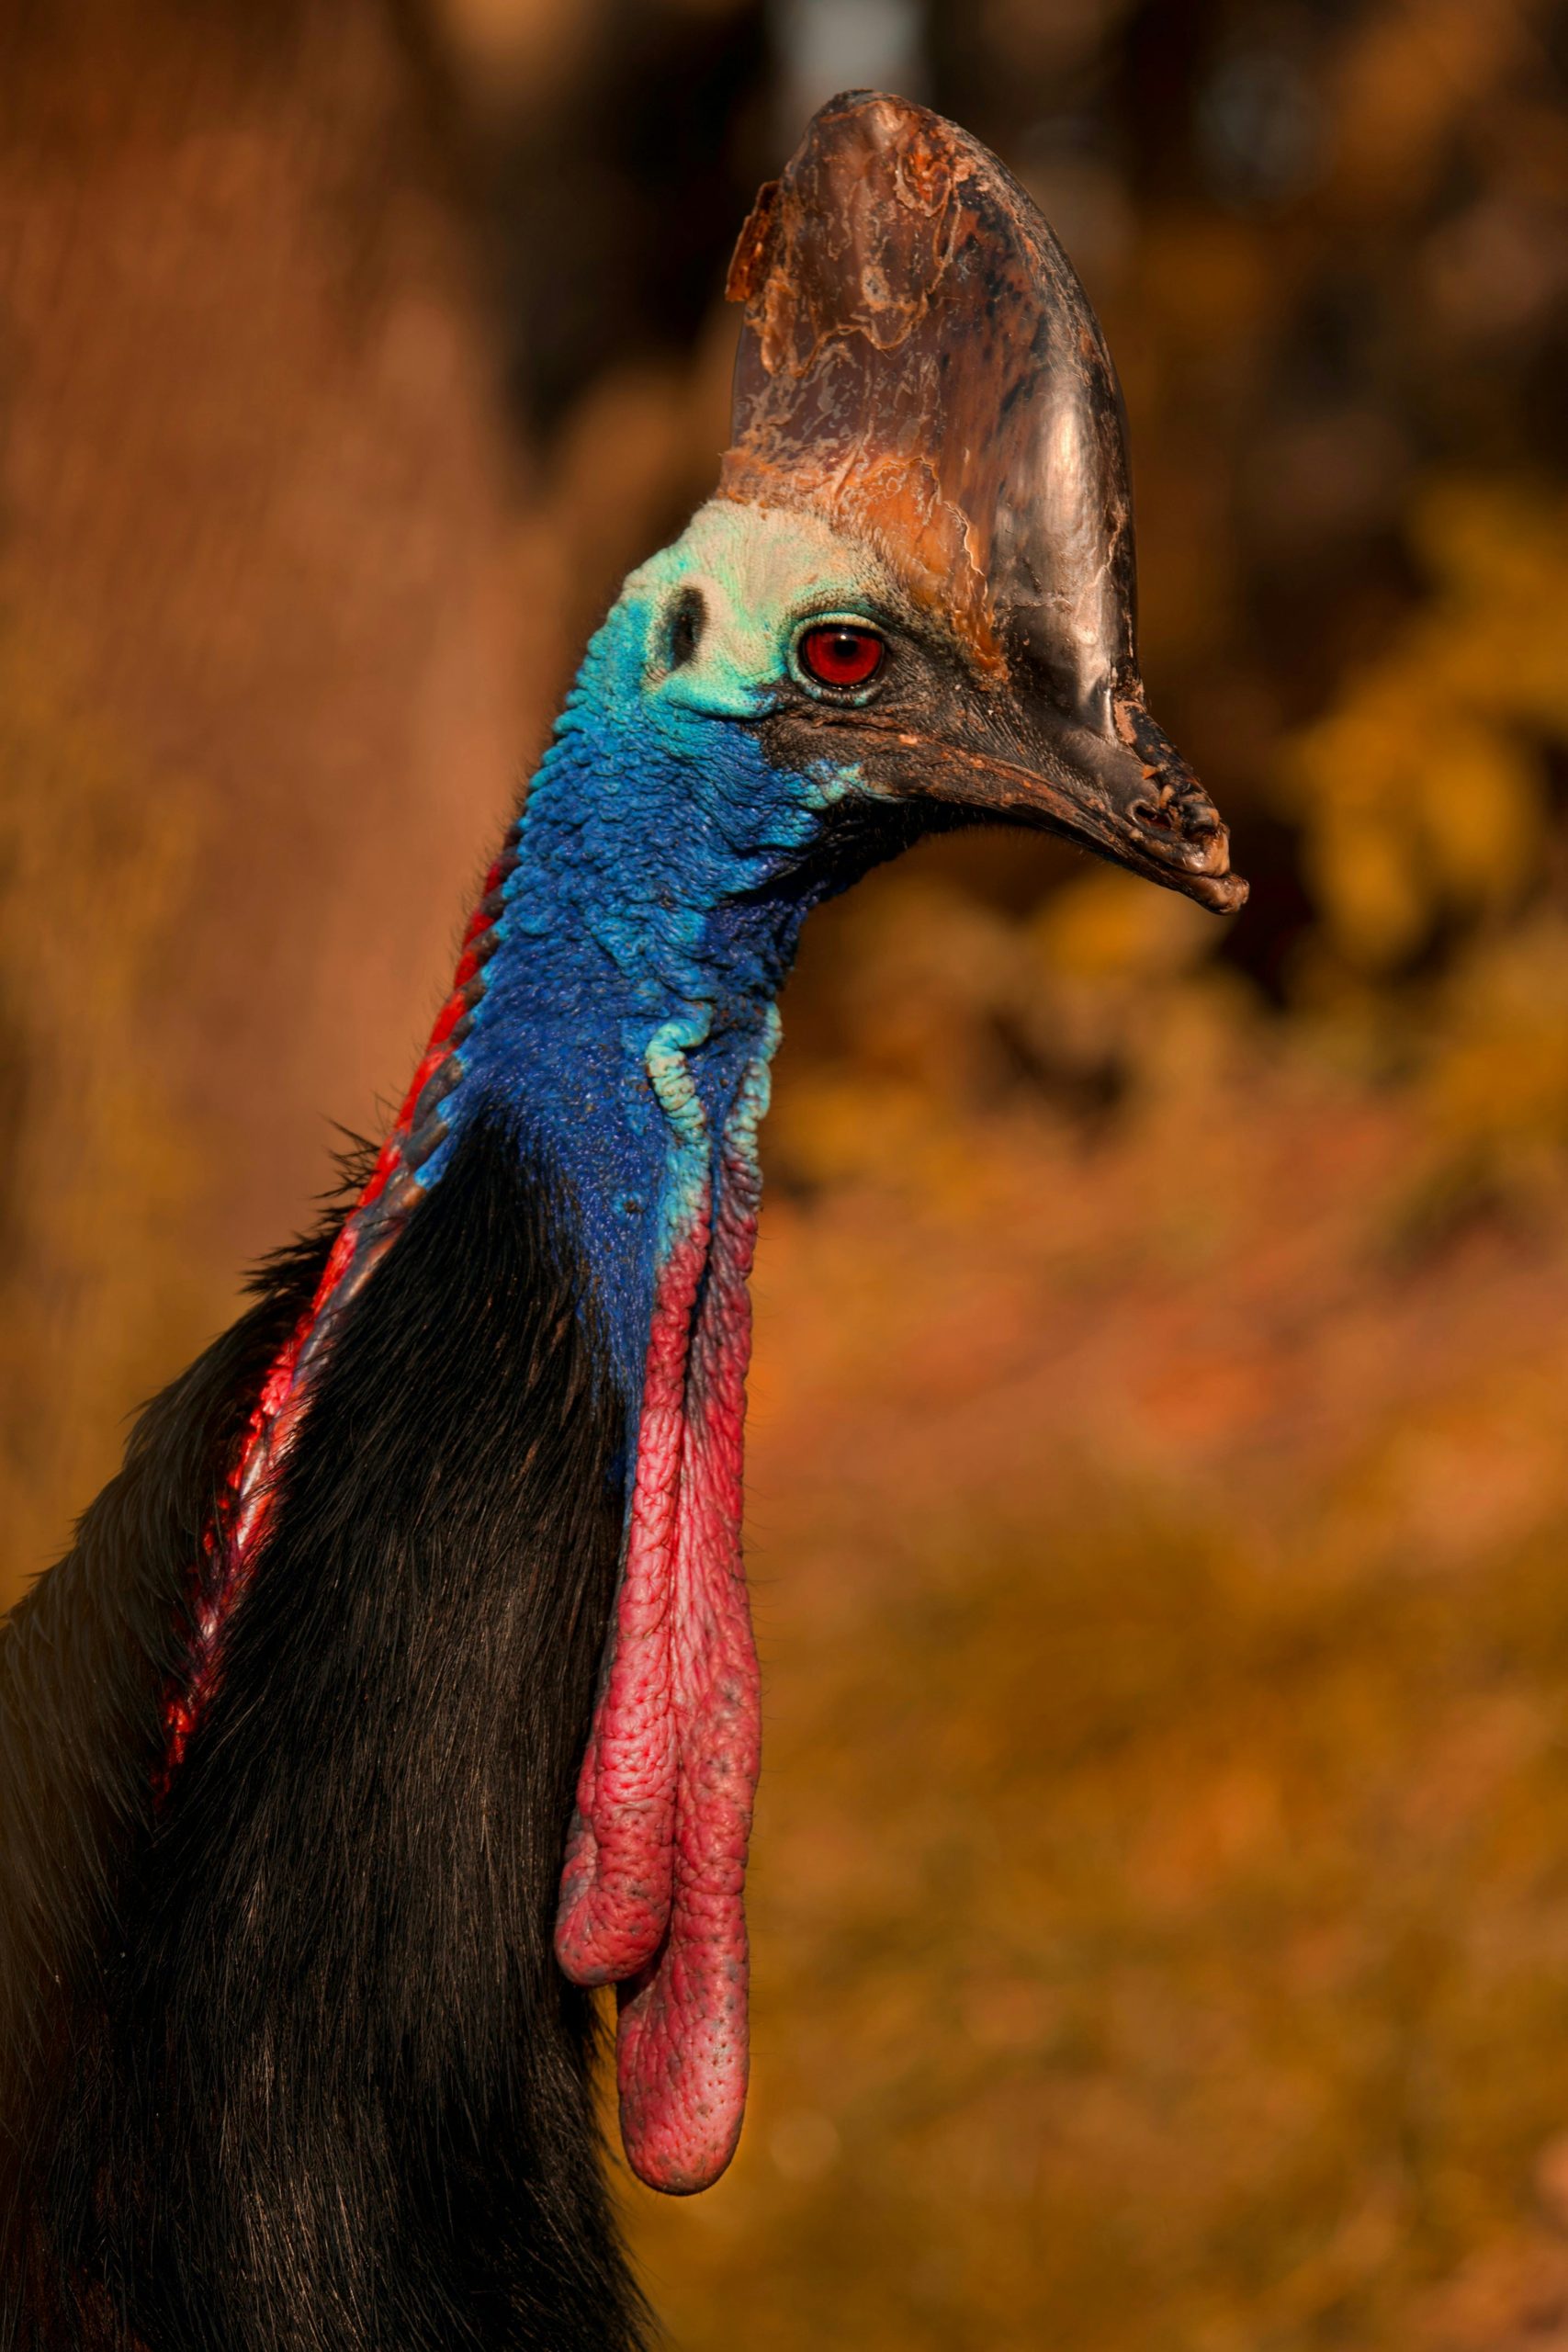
{"points": [[627, 1016]]}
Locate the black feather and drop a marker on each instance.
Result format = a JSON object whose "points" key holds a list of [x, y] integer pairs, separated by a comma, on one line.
{"points": [[290, 2066]]}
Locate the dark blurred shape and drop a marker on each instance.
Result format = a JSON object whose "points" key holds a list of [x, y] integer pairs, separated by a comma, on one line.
{"points": [[608, 187], [1259, 114]]}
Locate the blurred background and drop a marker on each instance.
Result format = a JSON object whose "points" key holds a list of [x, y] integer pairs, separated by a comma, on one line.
{"points": [[1159, 1470]]}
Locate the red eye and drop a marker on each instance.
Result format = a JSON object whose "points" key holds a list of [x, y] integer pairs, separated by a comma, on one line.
{"points": [[838, 655]]}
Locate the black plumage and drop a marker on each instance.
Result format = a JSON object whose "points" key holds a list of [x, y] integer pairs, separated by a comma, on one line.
{"points": [[335, 2092]]}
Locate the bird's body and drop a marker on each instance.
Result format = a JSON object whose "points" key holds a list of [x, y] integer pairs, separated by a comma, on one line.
{"points": [[401, 1688], [335, 2091]]}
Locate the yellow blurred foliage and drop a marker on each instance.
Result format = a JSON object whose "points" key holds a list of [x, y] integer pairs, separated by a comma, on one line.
{"points": [[94, 1292], [1420, 793]]}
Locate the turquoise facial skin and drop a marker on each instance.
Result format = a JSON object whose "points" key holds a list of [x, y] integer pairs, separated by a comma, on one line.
{"points": [[664, 869]]}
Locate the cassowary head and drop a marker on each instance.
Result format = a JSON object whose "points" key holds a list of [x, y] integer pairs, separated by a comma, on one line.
{"points": [[915, 585]]}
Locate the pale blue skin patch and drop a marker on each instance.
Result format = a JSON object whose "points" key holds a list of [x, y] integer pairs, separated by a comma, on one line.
{"points": [[664, 870]]}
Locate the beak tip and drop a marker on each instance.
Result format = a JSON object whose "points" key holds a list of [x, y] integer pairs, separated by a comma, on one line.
{"points": [[1223, 894]]}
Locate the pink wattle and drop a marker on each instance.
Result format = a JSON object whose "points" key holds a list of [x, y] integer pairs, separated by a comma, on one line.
{"points": [[653, 1887], [617, 1878]]}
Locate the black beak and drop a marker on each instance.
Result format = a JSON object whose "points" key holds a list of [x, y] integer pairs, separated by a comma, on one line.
{"points": [[919, 365], [1135, 802]]}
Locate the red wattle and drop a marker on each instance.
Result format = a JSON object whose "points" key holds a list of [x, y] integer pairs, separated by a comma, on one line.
{"points": [[691, 1671], [616, 1883]]}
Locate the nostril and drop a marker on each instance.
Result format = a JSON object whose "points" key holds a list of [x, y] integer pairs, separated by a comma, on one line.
{"points": [[1191, 820]]}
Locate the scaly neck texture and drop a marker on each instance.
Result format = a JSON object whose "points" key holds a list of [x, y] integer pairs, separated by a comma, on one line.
{"points": [[615, 1006], [646, 927]]}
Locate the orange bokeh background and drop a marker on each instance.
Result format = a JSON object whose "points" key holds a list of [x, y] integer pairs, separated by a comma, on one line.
{"points": [[1159, 1460]]}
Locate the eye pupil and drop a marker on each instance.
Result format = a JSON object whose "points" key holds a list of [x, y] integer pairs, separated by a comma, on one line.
{"points": [[838, 655]]}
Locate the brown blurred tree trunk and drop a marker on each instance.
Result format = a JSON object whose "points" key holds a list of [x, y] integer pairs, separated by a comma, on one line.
{"points": [[258, 705]]}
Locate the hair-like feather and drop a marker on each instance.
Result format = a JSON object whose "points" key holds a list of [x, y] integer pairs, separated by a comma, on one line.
{"points": [[289, 2063]]}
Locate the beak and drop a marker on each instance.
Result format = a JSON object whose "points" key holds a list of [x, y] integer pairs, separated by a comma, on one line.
{"points": [[1129, 797], [920, 366]]}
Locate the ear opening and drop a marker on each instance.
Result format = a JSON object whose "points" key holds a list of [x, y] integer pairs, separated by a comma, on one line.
{"points": [[684, 624]]}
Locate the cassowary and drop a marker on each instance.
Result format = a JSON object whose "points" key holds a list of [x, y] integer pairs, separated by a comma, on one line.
{"points": [[401, 1691]]}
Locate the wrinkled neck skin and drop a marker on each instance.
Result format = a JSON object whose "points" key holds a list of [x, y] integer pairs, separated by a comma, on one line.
{"points": [[628, 1017], [613, 1010]]}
